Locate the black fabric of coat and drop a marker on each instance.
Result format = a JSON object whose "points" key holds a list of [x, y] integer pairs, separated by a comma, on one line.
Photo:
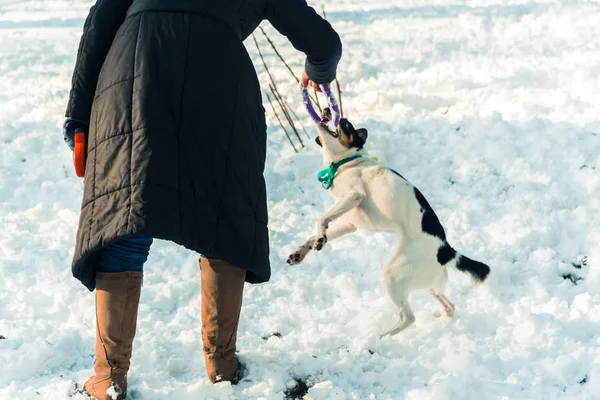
{"points": [[177, 138]]}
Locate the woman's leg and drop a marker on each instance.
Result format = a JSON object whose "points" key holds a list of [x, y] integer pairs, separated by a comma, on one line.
{"points": [[222, 291], [118, 288]]}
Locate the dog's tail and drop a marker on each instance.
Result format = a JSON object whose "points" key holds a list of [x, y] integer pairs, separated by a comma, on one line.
{"points": [[478, 270]]}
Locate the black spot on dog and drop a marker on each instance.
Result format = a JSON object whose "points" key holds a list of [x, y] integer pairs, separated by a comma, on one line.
{"points": [[584, 380], [298, 391], [397, 174], [3, 337], [430, 222], [445, 254]]}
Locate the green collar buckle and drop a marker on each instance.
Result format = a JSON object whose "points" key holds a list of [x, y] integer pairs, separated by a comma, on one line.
{"points": [[326, 176]]}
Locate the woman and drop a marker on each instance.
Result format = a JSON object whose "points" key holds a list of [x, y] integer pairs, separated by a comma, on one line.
{"points": [[176, 139]]}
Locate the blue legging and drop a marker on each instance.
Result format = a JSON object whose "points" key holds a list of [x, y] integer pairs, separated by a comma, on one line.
{"points": [[127, 254]]}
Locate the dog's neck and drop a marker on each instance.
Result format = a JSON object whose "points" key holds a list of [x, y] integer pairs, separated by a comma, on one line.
{"points": [[329, 158]]}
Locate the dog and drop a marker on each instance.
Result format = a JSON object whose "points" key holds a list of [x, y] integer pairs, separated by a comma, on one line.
{"points": [[374, 198]]}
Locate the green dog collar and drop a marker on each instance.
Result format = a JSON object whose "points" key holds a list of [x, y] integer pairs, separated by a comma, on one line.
{"points": [[326, 176]]}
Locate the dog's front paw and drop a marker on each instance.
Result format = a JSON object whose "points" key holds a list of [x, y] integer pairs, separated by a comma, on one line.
{"points": [[320, 243], [297, 257]]}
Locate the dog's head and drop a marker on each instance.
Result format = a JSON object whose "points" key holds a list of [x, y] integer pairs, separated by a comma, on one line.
{"points": [[344, 138]]}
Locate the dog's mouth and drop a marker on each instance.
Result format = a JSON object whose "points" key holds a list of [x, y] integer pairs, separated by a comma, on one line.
{"points": [[325, 119], [334, 134]]}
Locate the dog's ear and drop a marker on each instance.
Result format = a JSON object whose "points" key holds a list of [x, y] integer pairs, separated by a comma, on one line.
{"points": [[361, 137], [318, 141]]}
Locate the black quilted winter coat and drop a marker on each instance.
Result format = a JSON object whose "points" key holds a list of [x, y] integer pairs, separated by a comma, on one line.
{"points": [[177, 136]]}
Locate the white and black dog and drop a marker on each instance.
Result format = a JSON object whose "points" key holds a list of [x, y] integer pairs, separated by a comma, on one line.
{"points": [[378, 199]]}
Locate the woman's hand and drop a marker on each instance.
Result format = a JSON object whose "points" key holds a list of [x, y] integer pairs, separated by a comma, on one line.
{"points": [[307, 82], [69, 128]]}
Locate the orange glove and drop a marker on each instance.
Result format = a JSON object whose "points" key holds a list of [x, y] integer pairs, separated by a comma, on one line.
{"points": [[79, 153]]}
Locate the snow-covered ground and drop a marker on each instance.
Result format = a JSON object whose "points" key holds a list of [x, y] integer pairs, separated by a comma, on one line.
{"points": [[490, 107]]}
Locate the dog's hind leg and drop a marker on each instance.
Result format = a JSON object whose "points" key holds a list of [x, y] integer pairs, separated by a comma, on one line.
{"points": [[397, 286], [406, 317], [438, 294], [446, 304]]}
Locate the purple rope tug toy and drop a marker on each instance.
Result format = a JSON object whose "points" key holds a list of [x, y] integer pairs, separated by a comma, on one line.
{"points": [[335, 108]]}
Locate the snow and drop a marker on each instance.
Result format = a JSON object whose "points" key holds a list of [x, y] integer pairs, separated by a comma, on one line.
{"points": [[490, 107]]}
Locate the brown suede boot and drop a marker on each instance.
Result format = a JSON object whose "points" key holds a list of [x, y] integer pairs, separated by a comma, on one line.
{"points": [[222, 291], [117, 299]]}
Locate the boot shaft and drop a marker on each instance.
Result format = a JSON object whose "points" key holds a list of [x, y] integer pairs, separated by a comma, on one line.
{"points": [[222, 292], [117, 300]]}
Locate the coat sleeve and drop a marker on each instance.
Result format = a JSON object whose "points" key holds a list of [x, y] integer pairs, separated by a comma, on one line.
{"points": [[99, 30], [308, 33]]}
